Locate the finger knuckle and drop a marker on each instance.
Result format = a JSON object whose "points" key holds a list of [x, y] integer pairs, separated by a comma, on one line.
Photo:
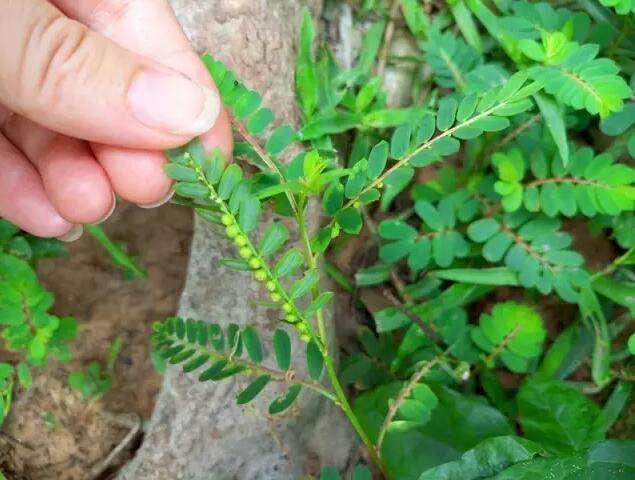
{"points": [[57, 53]]}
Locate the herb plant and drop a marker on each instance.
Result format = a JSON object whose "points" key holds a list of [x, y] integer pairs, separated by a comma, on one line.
{"points": [[498, 121]]}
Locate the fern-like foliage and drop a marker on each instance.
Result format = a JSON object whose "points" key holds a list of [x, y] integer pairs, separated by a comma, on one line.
{"points": [[589, 184], [421, 144], [218, 353], [513, 332], [450, 58], [547, 38]]}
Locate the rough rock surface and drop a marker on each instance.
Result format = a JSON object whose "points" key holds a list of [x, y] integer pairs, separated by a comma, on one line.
{"points": [[197, 431]]}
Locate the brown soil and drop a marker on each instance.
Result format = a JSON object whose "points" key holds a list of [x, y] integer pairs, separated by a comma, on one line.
{"points": [[89, 287]]}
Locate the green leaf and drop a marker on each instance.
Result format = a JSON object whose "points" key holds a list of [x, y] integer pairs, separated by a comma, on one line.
{"points": [[180, 173], [350, 220], [446, 113], [485, 460], [400, 142], [253, 389], [259, 121], [389, 319], [191, 190], [483, 229], [275, 236], [377, 160], [318, 303], [559, 430], [372, 275], [314, 360], [611, 459], [288, 263], [459, 422], [24, 375], [305, 75], [283, 402], [282, 349], [479, 276], [302, 286], [252, 343], [280, 139], [430, 215], [333, 198], [229, 180], [392, 229], [554, 119], [249, 213]]}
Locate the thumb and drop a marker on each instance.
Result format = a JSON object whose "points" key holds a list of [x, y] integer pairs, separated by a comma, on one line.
{"points": [[62, 75]]}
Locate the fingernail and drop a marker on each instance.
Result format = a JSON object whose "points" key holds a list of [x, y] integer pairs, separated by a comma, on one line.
{"points": [[73, 234], [110, 212], [172, 103], [164, 200]]}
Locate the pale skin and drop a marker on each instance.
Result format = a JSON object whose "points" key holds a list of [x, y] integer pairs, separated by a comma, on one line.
{"points": [[91, 93]]}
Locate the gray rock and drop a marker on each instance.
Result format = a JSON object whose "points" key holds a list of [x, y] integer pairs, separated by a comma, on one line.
{"points": [[197, 431]]}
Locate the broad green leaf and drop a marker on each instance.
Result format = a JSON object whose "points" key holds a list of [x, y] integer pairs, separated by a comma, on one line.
{"points": [[559, 430], [488, 458], [459, 422], [611, 459]]}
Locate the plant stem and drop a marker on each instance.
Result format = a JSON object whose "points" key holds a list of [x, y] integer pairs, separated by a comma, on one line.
{"points": [[405, 391], [352, 418]]}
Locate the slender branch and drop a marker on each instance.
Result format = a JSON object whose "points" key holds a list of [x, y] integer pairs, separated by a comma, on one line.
{"points": [[249, 138], [403, 394], [253, 369], [388, 35], [514, 133]]}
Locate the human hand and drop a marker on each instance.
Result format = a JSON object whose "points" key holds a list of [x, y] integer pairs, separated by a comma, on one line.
{"points": [[91, 91]]}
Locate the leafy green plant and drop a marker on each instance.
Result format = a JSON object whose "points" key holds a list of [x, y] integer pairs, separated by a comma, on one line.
{"points": [[505, 113], [27, 326]]}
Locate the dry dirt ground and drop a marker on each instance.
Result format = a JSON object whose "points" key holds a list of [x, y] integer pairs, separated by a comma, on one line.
{"points": [[51, 432]]}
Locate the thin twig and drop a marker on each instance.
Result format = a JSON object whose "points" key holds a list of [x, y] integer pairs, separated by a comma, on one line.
{"points": [[403, 394], [249, 138], [133, 423], [388, 35]]}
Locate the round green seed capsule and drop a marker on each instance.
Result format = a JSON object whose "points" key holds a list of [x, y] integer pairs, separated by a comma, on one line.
{"points": [[226, 219], [271, 286], [287, 307], [305, 337], [254, 263], [302, 328], [290, 318], [261, 275], [232, 231], [240, 240], [245, 252], [380, 185], [275, 297], [357, 204]]}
